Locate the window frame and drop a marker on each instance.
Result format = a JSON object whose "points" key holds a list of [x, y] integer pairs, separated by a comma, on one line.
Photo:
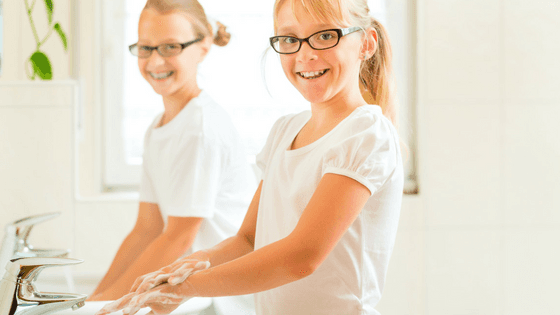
{"points": [[118, 175]]}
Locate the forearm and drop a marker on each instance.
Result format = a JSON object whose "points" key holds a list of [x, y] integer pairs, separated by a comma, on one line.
{"points": [[159, 253], [264, 269], [227, 250], [128, 252]]}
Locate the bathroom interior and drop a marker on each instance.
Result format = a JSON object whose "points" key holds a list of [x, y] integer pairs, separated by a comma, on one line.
{"points": [[479, 232]]}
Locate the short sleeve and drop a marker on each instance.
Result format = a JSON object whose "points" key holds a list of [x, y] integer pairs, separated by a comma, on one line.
{"points": [[195, 178], [263, 158], [368, 155], [147, 192]]}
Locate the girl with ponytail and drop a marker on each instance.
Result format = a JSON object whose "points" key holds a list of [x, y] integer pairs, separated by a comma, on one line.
{"points": [[319, 233], [196, 183]]}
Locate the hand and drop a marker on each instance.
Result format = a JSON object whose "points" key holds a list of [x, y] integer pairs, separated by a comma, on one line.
{"points": [[162, 300], [93, 298], [173, 274], [116, 305]]}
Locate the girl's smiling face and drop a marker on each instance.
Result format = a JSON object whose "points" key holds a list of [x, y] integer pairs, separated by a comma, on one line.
{"points": [[321, 76], [169, 75]]}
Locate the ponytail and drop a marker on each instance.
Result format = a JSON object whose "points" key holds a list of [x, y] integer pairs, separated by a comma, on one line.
{"points": [[376, 75]]}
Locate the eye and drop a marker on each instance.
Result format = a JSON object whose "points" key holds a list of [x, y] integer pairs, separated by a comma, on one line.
{"points": [[144, 48], [289, 40], [171, 46], [325, 36]]}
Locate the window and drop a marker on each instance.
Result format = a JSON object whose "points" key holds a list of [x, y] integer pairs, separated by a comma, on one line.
{"points": [[130, 103]]}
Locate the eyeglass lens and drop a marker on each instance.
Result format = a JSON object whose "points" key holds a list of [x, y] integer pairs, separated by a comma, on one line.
{"points": [[322, 40], [165, 50]]}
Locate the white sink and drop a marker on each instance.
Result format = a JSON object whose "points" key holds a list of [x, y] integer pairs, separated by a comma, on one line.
{"points": [[191, 307]]}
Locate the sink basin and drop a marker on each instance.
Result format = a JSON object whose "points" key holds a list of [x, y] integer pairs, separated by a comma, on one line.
{"points": [[191, 307]]}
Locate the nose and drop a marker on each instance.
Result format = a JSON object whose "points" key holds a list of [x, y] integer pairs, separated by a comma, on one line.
{"points": [[306, 53], [155, 59]]}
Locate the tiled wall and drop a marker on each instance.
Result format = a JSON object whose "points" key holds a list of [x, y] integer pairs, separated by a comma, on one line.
{"points": [[36, 158], [489, 155]]}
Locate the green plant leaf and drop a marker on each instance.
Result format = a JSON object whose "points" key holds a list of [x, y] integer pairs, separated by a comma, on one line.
{"points": [[41, 65], [49, 5], [62, 35]]}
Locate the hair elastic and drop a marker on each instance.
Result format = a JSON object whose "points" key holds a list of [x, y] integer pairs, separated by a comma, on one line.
{"points": [[213, 24]]}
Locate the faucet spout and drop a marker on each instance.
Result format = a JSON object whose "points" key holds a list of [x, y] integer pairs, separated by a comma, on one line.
{"points": [[15, 244], [47, 308], [19, 296]]}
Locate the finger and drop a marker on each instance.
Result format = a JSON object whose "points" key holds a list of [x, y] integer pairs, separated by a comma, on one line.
{"points": [[162, 309], [143, 278], [137, 283], [131, 310], [183, 273], [149, 284], [163, 295], [116, 305], [180, 276], [201, 265]]}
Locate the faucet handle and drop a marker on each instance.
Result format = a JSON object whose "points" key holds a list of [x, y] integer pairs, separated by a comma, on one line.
{"points": [[23, 228], [26, 270], [32, 220]]}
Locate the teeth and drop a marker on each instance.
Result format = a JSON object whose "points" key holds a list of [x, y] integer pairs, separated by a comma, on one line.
{"points": [[162, 75], [312, 75]]}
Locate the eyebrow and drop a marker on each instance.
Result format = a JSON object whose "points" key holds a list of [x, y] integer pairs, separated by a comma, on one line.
{"points": [[165, 41], [291, 28]]}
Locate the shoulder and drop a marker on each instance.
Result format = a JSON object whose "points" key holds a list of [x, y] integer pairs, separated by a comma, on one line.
{"points": [[365, 135], [153, 124], [368, 121], [286, 123], [216, 124]]}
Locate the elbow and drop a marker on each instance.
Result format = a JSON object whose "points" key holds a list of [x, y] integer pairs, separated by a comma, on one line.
{"points": [[302, 263]]}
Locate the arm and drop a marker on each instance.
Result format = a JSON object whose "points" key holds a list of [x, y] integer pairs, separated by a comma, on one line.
{"points": [[148, 226], [231, 248], [163, 250], [335, 204], [238, 245]]}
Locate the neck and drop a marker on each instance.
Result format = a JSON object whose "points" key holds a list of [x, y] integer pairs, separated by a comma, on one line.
{"points": [[335, 109], [173, 104]]}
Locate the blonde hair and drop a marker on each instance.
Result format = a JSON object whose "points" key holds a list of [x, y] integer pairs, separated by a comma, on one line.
{"points": [[376, 73], [196, 15]]}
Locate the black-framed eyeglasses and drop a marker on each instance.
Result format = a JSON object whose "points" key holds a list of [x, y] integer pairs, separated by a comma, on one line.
{"points": [[319, 41], [164, 50]]}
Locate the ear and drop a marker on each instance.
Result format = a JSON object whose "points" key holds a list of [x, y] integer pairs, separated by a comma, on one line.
{"points": [[205, 46], [369, 46]]}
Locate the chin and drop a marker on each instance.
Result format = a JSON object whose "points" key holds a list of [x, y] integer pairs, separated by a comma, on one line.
{"points": [[314, 96]]}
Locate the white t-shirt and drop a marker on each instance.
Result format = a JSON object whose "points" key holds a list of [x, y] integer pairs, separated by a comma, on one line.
{"points": [[195, 166], [364, 147]]}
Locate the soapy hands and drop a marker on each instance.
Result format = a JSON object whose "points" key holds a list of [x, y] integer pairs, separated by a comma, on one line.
{"points": [[162, 300], [173, 274], [162, 290]]}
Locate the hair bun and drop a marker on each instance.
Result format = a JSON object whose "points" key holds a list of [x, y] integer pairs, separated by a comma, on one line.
{"points": [[221, 36]]}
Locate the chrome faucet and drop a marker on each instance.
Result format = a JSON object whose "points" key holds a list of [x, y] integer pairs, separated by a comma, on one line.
{"points": [[15, 245], [19, 296]]}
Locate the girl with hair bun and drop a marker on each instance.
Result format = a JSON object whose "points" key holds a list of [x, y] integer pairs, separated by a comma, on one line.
{"points": [[196, 182], [319, 233]]}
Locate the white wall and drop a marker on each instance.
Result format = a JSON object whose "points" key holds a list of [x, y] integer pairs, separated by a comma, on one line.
{"points": [[482, 237], [489, 151]]}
